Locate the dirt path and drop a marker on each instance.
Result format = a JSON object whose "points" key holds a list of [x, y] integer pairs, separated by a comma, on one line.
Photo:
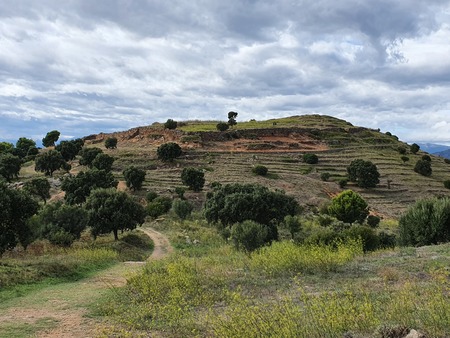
{"points": [[64, 307]]}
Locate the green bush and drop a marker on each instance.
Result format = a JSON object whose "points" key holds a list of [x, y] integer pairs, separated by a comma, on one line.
{"points": [[426, 158], [386, 241], [349, 207], [325, 176], [151, 195], [343, 183], [426, 222], [414, 148], [402, 150], [447, 160], [423, 167], [260, 170], [249, 235], [182, 208], [171, 124], [447, 184], [167, 152], [111, 143], [222, 126], [193, 178], [310, 158], [367, 235], [159, 206], [373, 221], [405, 159]]}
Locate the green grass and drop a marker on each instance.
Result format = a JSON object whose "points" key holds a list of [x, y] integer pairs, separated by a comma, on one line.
{"points": [[210, 289], [18, 330]]}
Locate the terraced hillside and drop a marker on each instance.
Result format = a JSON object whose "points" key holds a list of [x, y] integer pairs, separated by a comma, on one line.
{"points": [[279, 144]]}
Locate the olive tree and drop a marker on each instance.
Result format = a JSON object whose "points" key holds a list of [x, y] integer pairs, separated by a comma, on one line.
{"points": [[111, 143], [9, 166], [88, 155], [110, 210], [103, 162], [171, 124], [167, 152], [50, 161], [423, 168], [193, 178], [39, 187]]}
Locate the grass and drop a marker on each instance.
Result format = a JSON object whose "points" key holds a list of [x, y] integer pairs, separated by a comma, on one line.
{"points": [[19, 330], [43, 264], [210, 289]]}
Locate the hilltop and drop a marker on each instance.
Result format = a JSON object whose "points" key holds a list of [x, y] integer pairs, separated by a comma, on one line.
{"points": [[279, 144]]}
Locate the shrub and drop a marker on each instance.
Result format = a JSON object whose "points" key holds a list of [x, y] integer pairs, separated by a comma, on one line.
{"points": [[293, 224], [343, 183], [325, 176], [365, 173], [222, 126], [167, 152], [423, 167], [348, 207], [151, 195], [260, 170], [447, 184], [373, 221], [446, 160], [111, 143], [405, 159], [310, 158], [88, 155], [426, 158], [170, 124], [386, 241], [180, 192], [182, 208], [134, 177], [193, 178], [249, 235], [103, 162], [402, 150], [49, 162], [426, 222], [159, 206], [414, 148], [369, 238]]}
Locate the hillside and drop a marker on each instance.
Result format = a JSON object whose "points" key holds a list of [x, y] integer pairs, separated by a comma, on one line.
{"points": [[279, 144]]}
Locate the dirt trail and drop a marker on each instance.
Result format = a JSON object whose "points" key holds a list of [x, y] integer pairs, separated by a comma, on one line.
{"points": [[66, 305]]}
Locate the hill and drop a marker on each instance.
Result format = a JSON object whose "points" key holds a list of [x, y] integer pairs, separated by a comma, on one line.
{"points": [[280, 144], [444, 154]]}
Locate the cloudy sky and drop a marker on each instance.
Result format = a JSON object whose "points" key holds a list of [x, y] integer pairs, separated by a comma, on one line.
{"points": [[83, 66]]}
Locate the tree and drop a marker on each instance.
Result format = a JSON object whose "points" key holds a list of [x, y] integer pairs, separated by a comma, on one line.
{"points": [[103, 162], [171, 124], [426, 157], [78, 188], [365, 173], [426, 222], [232, 118], [402, 150], [6, 147], [222, 126], [111, 143], [348, 207], [23, 146], [159, 206], [414, 148], [39, 187], [16, 208], [310, 158], [235, 203], [182, 208], [249, 235], [50, 139], [134, 177], [193, 178], [167, 152], [405, 159], [423, 167], [61, 223], [9, 166], [88, 155], [110, 210], [260, 170], [68, 149], [50, 161], [293, 224]]}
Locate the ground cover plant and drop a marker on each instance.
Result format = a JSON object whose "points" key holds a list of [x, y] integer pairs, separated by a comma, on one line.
{"points": [[212, 289]]}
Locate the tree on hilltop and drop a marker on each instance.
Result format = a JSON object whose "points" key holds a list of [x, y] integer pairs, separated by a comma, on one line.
{"points": [[50, 139]]}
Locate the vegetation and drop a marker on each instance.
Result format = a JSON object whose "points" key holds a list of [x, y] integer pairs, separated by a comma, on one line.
{"points": [[325, 176], [414, 148], [171, 124], [110, 211], [405, 159], [111, 143], [50, 161], [222, 126], [103, 162], [134, 177], [426, 222], [24, 147], [17, 208], [365, 173], [78, 188], [349, 207], [167, 152], [310, 158], [249, 235], [50, 139], [9, 166], [39, 186], [70, 149], [232, 118], [193, 178], [182, 208], [88, 155], [423, 168], [159, 206], [260, 170]]}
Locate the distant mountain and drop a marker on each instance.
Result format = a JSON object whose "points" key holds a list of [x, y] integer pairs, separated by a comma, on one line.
{"points": [[433, 148], [444, 153]]}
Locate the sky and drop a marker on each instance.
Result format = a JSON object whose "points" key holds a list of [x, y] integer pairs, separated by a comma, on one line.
{"points": [[84, 67]]}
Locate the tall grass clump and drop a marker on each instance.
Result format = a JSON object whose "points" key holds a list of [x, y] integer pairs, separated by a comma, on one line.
{"points": [[288, 257]]}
